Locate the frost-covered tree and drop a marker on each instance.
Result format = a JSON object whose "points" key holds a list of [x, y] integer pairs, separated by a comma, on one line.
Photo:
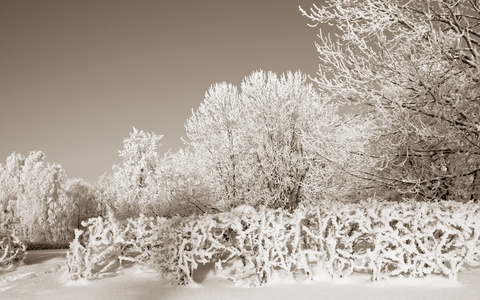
{"points": [[106, 192], [184, 185], [10, 174], [414, 68], [40, 201], [82, 199], [213, 132], [281, 114], [37, 204], [131, 189], [253, 141], [31, 199]]}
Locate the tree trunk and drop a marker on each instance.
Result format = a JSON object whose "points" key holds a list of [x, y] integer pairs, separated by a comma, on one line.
{"points": [[476, 186]]}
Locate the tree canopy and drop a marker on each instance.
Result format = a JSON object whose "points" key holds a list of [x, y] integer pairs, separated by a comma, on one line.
{"points": [[414, 66]]}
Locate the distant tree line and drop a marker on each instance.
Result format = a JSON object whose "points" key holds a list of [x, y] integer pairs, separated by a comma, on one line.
{"points": [[38, 202]]}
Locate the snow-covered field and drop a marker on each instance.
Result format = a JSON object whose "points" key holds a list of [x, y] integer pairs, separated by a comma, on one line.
{"points": [[43, 275]]}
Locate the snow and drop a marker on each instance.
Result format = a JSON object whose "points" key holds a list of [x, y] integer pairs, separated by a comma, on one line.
{"points": [[43, 275]]}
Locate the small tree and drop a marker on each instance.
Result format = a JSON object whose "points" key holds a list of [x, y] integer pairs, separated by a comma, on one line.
{"points": [[81, 196], [130, 190]]}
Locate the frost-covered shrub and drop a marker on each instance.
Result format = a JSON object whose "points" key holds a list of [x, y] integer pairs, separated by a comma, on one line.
{"points": [[383, 238], [271, 240], [419, 239], [163, 246], [12, 251], [407, 238], [176, 246], [97, 251]]}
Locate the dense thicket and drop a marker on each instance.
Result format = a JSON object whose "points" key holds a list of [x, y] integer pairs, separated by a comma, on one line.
{"points": [[414, 239]]}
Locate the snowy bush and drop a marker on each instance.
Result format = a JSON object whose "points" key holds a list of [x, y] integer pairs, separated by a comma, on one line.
{"points": [[12, 251], [270, 240], [408, 238], [176, 246], [163, 246], [389, 239], [419, 239], [97, 251]]}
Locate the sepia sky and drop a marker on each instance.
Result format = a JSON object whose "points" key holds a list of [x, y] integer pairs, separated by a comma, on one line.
{"points": [[75, 76]]}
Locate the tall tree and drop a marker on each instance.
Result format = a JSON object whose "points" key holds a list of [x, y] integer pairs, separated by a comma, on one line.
{"points": [[253, 141], [214, 134], [281, 113], [414, 66], [39, 204], [10, 190]]}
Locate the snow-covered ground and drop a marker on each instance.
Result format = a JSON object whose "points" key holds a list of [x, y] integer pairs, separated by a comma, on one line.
{"points": [[43, 275]]}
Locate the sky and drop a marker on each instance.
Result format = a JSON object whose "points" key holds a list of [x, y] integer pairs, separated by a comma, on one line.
{"points": [[75, 76]]}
